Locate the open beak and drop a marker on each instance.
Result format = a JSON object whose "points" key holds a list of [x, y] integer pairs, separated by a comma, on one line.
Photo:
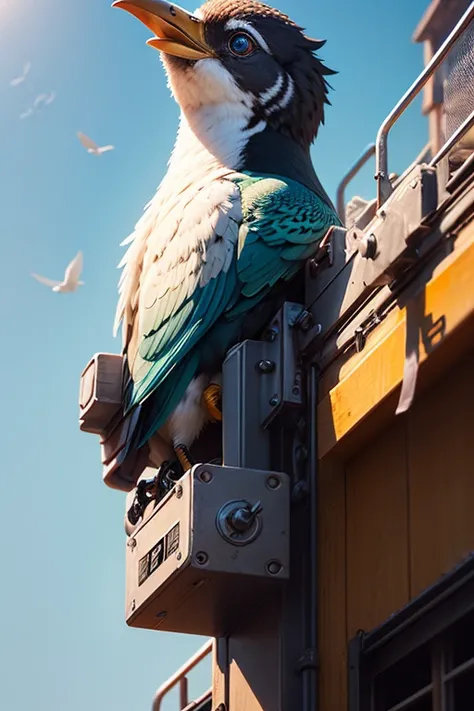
{"points": [[177, 31]]}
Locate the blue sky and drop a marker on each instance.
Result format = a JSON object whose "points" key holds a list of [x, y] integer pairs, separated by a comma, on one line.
{"points": [[64, 645]]}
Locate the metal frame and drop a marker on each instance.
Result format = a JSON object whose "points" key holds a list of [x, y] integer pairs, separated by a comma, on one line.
{"points": [[384, 187], [368, 152], [180, 678], [421, 621]]}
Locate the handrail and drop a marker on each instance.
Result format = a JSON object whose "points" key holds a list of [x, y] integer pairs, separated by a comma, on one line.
{"points": [[351, 173], [456, 136], [384, 187], [180, 677]]}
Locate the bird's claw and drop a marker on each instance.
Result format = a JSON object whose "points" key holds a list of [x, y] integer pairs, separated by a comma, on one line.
{"points": [[184, 457], [212, 397]]}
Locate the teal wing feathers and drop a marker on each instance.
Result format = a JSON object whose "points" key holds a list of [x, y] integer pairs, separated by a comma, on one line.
{"points": [[218, 266]]}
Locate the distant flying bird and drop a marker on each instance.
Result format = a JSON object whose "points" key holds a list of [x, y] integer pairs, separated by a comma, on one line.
{"points": [[41, 99], [71, 277], [236, 217], [20, 79], [91, 146]]}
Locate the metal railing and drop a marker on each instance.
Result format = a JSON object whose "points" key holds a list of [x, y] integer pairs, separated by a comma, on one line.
{"points": [[351, 173], [180, 678], [384, 187]]}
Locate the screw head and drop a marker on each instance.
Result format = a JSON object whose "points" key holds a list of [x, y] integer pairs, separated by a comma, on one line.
{"points": [[274, 401], [201, 557], [205, 477], [179, 491], [273, 567], [266, 366], [272, 482], [271, 334], [131, 543], [368, 247]]}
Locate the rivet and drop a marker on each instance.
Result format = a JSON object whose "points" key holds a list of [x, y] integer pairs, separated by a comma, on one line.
{"points": [[133, 605], [201, 557], [273, 567], [131, 543], [172, 11], [161, 614], [179, 491], [274, 401], [179, 555], [205, 477], [272, 482]]}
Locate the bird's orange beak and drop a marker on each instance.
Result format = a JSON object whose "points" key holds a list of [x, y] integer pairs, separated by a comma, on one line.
{"points": [[177, 31]]}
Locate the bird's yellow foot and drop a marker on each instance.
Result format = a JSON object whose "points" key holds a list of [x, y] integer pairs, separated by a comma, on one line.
{"points": [[184, 457], [212, 396]]}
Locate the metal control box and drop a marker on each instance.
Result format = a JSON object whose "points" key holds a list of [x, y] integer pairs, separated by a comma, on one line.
{"points": [[213, 546]]}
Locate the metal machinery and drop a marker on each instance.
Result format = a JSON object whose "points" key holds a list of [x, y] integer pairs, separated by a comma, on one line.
{"points": [[240, 550]]}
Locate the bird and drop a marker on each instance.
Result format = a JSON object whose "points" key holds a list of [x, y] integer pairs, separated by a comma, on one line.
{"points": [[21, 78], [71, 280], [41, 99], [232, 223], [91, 146]]}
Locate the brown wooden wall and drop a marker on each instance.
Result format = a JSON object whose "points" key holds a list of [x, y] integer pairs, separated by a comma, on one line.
{"points": [[395, 516]]}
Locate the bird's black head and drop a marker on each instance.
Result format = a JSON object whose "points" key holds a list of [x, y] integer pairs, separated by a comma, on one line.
{"points": [[240, 52]]}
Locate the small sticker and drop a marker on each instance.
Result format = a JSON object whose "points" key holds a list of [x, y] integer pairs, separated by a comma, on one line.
{"points": [[158, 554], [172, 540]]}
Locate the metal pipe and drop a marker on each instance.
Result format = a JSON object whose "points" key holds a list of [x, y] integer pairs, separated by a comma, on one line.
{"points": [[183, 693], [203, 652], [207, 696], [381, 158], [351, 173], [452, 140], [310, 667]]}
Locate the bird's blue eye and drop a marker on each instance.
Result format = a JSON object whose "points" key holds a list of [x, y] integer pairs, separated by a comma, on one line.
{"points": [[241, 44]]}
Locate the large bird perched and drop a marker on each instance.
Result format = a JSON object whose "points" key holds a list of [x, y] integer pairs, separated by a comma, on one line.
{"points": [[237, 214]]}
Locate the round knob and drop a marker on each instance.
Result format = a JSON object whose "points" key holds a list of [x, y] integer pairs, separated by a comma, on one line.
{"points": [[238, 521], [242, 519]]}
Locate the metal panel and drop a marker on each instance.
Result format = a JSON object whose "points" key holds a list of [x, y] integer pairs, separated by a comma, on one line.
{"points": [[207, 580]]}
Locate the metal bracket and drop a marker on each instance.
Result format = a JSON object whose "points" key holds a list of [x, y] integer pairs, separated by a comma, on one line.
{"points": [[375, 257], [262, 381]]}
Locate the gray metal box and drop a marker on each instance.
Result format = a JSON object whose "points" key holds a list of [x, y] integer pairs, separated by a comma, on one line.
{"points": [[100, 392], [185, 573]]}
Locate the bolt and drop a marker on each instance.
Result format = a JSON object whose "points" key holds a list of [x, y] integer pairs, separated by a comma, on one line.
{"points": [[305, 321], [296, 390], [368, 247], [274, 401], [161, 614], [179, 555], [201, 558], [272, 482], [273, 567], [266, 366], [131, 543], [271, 334], [133, 605], [205, 477], [179, 491]]}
